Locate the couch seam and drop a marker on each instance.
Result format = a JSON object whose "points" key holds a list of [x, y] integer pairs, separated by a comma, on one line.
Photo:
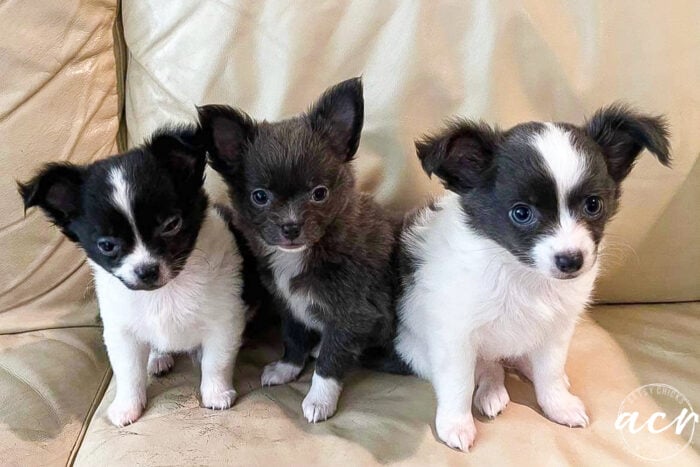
{"points": [[53, 328], [101, 390]]}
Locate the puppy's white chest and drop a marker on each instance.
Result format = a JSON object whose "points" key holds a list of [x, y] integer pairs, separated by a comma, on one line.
{"points": [[167, 318], [520, 314], [176, 316], [286, 266]]}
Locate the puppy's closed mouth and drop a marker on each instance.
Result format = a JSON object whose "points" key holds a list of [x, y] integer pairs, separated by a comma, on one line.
{"points": [[291, 248]]}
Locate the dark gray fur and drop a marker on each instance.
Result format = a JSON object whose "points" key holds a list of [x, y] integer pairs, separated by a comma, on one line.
{"points": [[351, 240]]}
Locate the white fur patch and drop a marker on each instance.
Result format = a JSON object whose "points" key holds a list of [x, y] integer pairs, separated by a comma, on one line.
{"points": [[285, 266], [567, 167], [122, 198], [322, 399], [279, 372], [200, 308], [159, 363], [565, 164], [469, 298]]}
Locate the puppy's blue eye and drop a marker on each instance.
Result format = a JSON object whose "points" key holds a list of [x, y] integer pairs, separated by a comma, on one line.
{"points": [[593, 206], [522, 214], [260, 197], [319, 194], [108, 246]]}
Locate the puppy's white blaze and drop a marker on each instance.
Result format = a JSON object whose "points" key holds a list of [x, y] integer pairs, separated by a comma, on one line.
{"points": [[123, 200], [322, 399], [121, 195], [565, 164], [567, 167]]}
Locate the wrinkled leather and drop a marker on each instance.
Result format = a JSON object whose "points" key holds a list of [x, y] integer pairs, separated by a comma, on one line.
{"points": [[422, 62], [58, 103], [50, 383], [388, 419]]}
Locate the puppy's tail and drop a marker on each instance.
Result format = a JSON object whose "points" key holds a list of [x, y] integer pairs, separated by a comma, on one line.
{"points": [[385, 359]]}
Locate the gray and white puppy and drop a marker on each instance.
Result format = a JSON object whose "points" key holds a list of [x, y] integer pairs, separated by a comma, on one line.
{"points": [[325, 251], [499, 269]]}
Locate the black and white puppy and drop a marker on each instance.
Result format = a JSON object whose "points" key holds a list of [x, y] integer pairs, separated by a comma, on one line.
{"points": [[167, 270], [325, 250], [499, 269]]}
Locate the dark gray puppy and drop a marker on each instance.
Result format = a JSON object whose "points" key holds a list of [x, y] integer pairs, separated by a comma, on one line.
{"points": [[325, 251]]}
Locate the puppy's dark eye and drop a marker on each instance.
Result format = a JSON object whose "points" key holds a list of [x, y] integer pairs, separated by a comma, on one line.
{"points": [[319, 194], [171, 226], [260, 197], [522, 214], [593, 206], [108, 246]]}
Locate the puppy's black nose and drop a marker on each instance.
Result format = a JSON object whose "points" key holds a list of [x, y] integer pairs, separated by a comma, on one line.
{"points": [[569, 262], [147, 273], [291, 231]]}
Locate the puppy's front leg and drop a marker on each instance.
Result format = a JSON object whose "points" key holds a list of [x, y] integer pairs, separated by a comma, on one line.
{"points": [[453, 379], [337, 352], [298, 343], [219, 349], [551, 384], [129, 359]]}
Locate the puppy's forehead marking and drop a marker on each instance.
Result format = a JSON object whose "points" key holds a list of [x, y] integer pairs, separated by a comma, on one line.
{"points": [[121, 194], [123, 199], [565, 164]]}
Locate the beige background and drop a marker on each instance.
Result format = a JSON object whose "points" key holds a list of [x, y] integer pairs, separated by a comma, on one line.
{"points": [[422, 62], [58, 102]]}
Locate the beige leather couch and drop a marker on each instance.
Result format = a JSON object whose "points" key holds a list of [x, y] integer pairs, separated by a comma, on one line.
{"points": [[76, 86]]}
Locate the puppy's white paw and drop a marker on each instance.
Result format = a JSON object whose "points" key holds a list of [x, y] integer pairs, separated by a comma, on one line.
{"points": [[491, 399], [322, 400], [457, 432], [279, 373], [216, 398], [564, 408], [159, 364], [125, 412]]}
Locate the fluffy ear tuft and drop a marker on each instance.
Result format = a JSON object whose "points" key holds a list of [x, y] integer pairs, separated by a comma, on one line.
{"points": [[56, 190], [226, 132], [460, 155], [622, 133], [339, 115], [177, 151]]}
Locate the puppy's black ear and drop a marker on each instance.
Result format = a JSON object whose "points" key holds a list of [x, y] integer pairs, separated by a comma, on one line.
{"points": [[460, 155], [181, 155], [56, 190], [339, 114], [226, 132], [622, 133]]}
